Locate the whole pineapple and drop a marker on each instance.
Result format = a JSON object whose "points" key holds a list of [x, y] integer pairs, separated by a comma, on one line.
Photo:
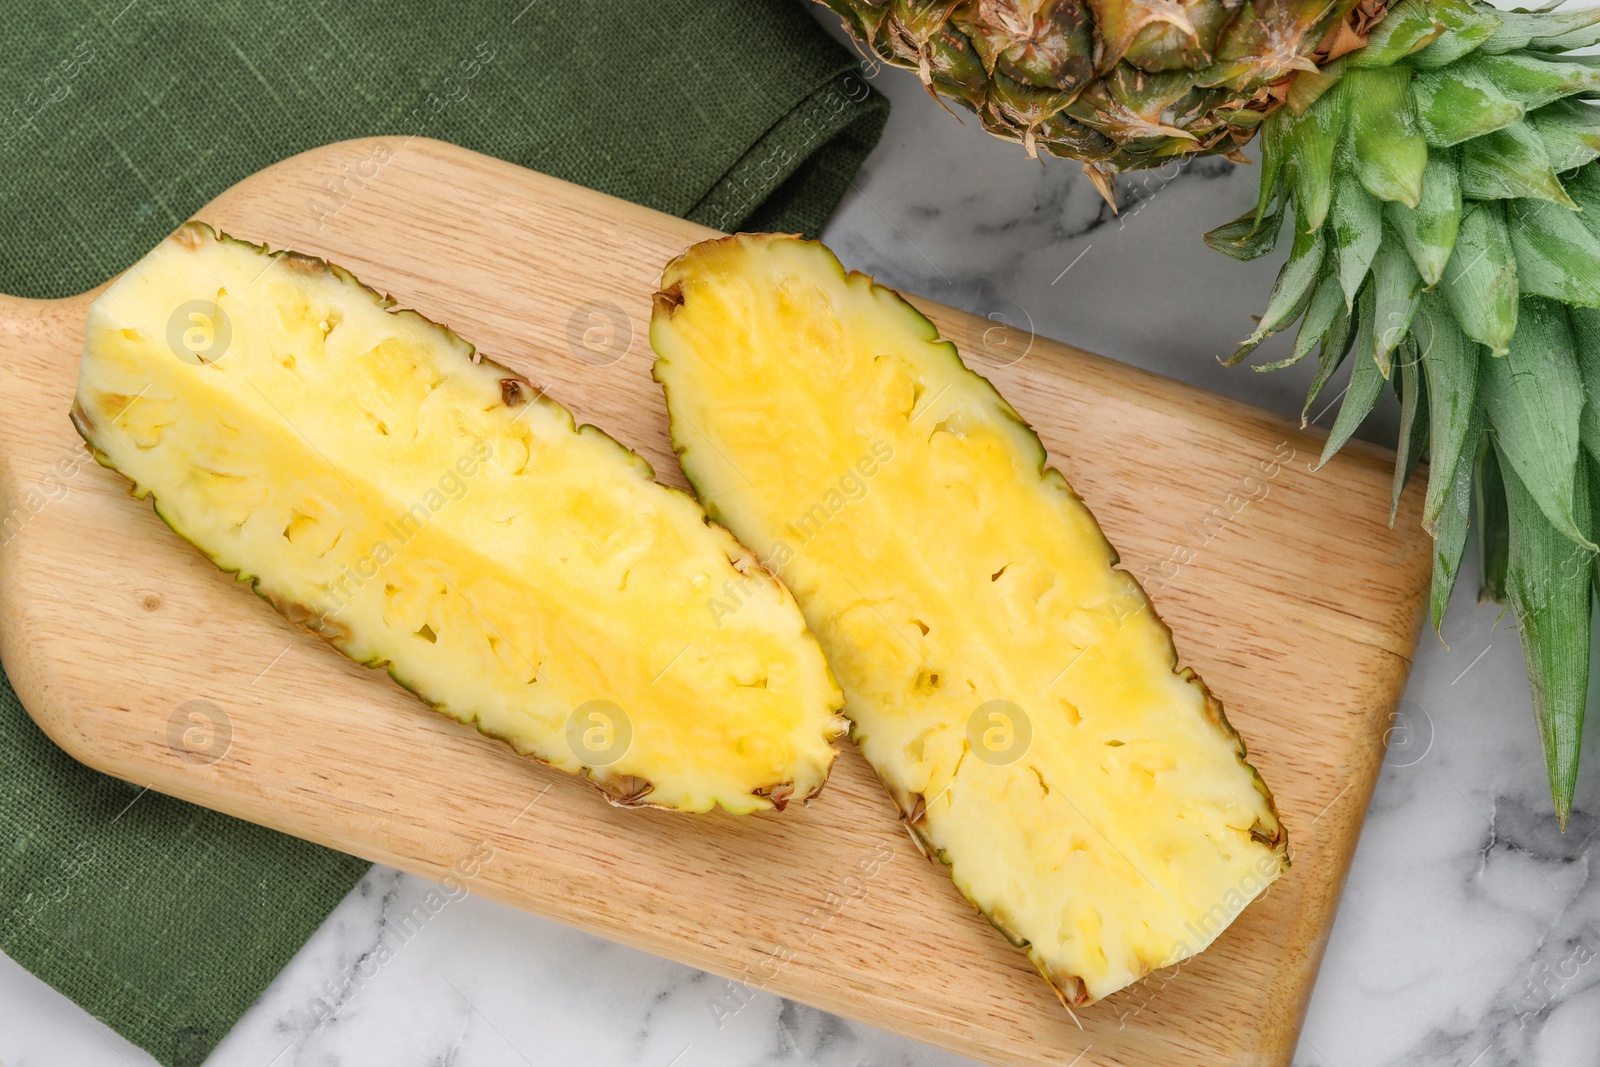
{"points": [[1437, 159]]}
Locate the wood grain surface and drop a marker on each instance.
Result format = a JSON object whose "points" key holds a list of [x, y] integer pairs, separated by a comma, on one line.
{"points": [[1287, 590]]}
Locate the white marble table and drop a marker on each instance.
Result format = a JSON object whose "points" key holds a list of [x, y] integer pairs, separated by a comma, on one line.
{"points": [[1469, 934]]}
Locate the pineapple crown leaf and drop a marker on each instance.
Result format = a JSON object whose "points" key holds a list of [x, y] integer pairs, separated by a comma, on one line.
{"points": [[1452, 179]]}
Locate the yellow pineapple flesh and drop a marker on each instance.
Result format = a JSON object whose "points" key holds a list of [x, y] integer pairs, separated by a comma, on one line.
{"points": [[431, 512], [1009, 683]]}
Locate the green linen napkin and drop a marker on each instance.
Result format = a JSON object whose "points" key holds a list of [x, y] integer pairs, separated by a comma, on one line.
{"points": [[166, 920]]}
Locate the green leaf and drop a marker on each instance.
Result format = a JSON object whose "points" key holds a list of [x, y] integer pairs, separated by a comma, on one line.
{"points": [[1429, 231], [1460, 103], [1585, 323], [1413, 423], [1450, 362], [1467, 26], [1583, 185], [1556, 254], [1537, 29], [1366, 382], [1455, 512], [1510, 163], [1388, 152], [1591, 469], [1272, 158], [1307, 143], [1570, 130], [1566, 42], [1398, 288], [1407, 27], [1481, 281], [1489, 502], [1535, 80], [1294, 286], [1335, 346], [1356, 225], [1243, 239], [1548, 586], [1532, 397], [1327, 303]]}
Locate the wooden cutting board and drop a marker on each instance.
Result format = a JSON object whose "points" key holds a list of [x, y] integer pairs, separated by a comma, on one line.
{"points": [[1287, 590]]}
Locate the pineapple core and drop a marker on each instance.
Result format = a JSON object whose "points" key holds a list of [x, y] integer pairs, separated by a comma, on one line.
{"points": [[433, 513], [1011, 686]]}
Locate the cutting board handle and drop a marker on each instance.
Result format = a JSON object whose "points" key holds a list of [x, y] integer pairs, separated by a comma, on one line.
{"points": [[31, 333], [31, 348], [40, 377]]}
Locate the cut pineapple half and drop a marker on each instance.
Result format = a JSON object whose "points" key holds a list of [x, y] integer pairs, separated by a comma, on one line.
{"points": [[1011, 686], [433, 513]]}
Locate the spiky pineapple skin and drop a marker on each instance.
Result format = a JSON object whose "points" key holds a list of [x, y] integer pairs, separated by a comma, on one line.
{"points": [[959, 573], [430, 512], [1117, 85]]}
